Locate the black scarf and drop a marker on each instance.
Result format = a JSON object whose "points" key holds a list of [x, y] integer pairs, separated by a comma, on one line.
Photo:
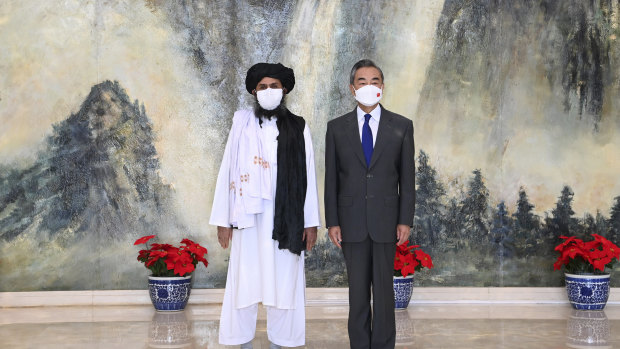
{"points": [[288, 221]]}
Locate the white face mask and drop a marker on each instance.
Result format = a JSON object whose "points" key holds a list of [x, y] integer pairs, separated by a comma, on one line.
{"points": [[270, 98], [368, 95]]}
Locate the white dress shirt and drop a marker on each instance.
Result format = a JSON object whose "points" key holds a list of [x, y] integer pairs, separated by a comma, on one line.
{"points": [[375, 116]]}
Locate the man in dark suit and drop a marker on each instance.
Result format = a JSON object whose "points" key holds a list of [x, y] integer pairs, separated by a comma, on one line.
{"points": [[369, 202]]}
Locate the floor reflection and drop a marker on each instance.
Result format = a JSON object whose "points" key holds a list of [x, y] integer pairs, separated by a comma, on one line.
{"points": [[171, 330], [404, 328], [588, 329], [419, 327]]}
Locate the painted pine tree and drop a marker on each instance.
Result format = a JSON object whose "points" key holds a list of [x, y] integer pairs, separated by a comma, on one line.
{"points": [[428, 206], [614, 221], [526, 226], [475, 209], [563, 212]]}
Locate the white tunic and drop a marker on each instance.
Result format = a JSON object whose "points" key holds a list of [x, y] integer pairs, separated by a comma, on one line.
{"points": [[258, 270]]}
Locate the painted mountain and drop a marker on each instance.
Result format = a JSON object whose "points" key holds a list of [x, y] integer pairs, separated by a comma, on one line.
{"points": [[71, 217]]}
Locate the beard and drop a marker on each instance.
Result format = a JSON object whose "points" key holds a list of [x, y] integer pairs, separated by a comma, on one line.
{"points": [[262, 113]]}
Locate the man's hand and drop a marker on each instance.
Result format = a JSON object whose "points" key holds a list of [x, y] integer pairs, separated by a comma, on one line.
{"points": [[335, 235], [224, 235], [402, 233], [309, 237]]}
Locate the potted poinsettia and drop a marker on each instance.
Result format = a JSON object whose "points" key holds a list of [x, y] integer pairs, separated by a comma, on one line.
{"points": [[586, 269], [407, 260], [171, 271]]}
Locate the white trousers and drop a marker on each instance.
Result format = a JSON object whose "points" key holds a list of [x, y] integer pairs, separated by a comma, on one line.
{"points": [[258, 272], [285, 327]]}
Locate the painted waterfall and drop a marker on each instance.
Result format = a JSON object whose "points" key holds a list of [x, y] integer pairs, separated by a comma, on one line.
{"points": [[114, 115]]}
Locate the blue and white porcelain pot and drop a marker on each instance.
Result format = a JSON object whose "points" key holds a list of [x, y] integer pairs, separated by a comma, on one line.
{"points": [[170, 293], [587, 292], [403, 287]]}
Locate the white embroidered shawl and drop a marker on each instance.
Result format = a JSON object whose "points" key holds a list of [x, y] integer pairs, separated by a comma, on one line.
{"points": [[250, 173]]}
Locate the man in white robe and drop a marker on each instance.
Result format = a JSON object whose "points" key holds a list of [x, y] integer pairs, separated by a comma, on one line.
{"points": [[269, 223]]}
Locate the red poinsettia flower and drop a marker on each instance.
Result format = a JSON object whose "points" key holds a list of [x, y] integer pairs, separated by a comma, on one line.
{"points": [[143, 255], [182, 263], [183, 268], [593, 256], [597, 254], [174, 253], [573, 251], [187, 242], [169, 260], [567, 240], [158, 254], [167, 247], [600, 263], [404, 249], [590, 245], [424, 259], [407, 269], [610, 249], [398, 263], [143, 239], [613, 251], [196, 249], [151, 262], [558, 264], [177, 254], [203, 261], [408, 260], [154, 256]]}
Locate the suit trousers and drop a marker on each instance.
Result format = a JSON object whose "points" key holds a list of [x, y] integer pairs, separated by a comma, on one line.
{"points": [[370, 266]]}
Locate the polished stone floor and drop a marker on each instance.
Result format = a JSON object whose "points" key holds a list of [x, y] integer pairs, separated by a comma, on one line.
{"points": [[421, 326]]}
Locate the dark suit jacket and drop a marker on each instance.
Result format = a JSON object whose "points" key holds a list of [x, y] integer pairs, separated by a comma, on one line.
{"points": [[369, 200]]}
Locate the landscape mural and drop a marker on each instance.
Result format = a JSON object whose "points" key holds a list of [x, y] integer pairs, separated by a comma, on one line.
{"points": [[114, 116]]}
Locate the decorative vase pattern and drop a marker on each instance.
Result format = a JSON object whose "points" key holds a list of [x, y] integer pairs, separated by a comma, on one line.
{"points": [[403, 287], [169, 293], [587, 292]]}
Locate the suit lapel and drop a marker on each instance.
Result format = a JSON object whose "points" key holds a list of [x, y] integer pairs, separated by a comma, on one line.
{"points": [[353, 133], [383, 133]]}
